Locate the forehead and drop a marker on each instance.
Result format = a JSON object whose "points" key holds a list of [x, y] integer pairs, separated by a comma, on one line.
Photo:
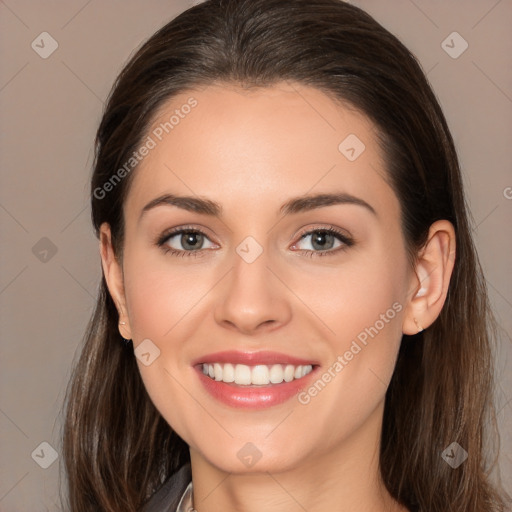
{"points": [[231, 144]]}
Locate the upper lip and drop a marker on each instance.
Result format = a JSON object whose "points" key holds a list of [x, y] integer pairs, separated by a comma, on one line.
{"points": [[252, 358]]}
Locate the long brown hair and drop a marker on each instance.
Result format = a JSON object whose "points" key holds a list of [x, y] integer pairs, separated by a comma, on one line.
{"points": [[118, 449]]}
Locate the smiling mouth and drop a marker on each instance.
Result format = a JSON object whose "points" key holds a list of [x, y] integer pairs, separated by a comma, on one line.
{"points": [[256, 375]]}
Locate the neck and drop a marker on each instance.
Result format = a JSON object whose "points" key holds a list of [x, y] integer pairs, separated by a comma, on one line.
{"points": [[346, 479]]}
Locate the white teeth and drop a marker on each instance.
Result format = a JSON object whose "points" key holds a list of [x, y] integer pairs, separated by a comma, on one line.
{"points": [[217, 371], [242, 374], [259, 375], [228, 373], [276, 374], [288, 373]]}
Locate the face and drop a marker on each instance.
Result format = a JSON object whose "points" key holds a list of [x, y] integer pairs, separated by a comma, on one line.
{"points": [[285, 269]]}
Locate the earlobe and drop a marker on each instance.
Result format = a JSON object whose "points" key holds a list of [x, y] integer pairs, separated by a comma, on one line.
{"points": [[431, 279], [114, 277]]}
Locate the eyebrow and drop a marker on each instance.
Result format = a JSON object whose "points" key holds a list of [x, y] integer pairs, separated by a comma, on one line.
{"points": [[295, 205]]}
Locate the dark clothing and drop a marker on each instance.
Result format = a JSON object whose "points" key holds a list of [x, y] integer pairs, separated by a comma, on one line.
{"points": [[166, 499]]}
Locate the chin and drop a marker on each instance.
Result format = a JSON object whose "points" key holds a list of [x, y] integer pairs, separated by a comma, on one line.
{"points": [[254, 458]]}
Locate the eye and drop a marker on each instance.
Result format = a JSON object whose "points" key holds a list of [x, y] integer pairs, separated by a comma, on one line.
{"points": [[192, 242], [323, 241], [185, 242]]}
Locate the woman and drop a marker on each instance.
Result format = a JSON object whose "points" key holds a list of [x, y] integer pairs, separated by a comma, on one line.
{"points": [[292, 314]]}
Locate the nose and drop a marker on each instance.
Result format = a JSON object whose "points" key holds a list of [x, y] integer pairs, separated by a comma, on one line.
{"points": [[252, 299]]}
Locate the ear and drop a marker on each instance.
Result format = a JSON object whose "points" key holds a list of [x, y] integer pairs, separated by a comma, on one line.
{"points": [[432, 273], [113, 273]]}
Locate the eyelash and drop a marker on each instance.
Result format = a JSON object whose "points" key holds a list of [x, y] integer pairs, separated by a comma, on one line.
{"points": [[343, 238]]}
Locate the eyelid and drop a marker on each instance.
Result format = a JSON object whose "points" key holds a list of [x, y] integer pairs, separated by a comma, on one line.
{"points": [[168, 233], [324, 227]]}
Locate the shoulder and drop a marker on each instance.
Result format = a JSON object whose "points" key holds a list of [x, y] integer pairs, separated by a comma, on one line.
{"points": [[166, 499]]}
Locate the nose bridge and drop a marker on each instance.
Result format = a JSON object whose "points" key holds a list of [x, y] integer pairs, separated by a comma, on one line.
{"points": [[252, 297]]}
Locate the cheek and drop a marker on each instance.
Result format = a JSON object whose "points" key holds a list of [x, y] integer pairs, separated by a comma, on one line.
{"points": [[362, 305], [159, 296], [362, 292], [162, 302]]}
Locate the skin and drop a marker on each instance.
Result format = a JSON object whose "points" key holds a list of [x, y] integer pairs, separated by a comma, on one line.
{"points": [[251, 151]]}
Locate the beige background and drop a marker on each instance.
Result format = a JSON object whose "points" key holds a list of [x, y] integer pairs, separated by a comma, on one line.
{"points": [[50, 109]]}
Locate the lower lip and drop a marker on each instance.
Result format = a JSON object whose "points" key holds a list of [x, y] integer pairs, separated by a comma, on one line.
{"points": [[253, 397]]}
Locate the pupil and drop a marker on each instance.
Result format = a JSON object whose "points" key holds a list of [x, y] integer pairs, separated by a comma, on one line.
{"points": [[323, 239], [189, 240]]}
